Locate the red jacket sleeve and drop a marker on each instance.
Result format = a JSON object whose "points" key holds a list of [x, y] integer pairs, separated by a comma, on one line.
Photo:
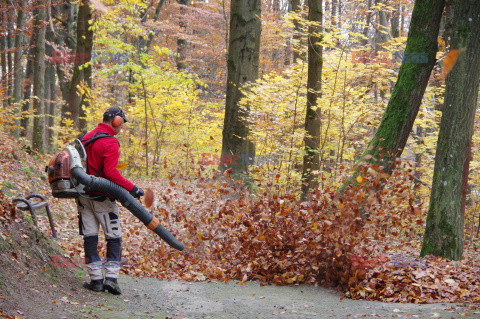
{"points": [[111, 155]]}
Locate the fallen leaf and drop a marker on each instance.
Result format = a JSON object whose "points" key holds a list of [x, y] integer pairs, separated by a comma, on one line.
{"points": [[148, 198]]}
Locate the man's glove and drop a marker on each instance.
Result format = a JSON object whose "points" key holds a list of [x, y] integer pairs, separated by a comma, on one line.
{"points": [[137, 192]]}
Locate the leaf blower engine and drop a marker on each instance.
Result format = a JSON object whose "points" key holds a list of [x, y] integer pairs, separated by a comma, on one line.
{"points": [[68, 179]]}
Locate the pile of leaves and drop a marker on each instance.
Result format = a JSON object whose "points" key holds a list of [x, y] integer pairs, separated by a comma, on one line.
{"points": [[233, 235]]}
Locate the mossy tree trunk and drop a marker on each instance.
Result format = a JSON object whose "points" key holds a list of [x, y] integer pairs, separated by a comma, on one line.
{"points": [[419, 58], [311, 159], [242, 67], [39, 79], [81, 70], [445, 221]]}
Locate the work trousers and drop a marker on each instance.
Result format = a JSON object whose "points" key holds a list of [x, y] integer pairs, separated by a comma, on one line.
{"points": [[92, 214]]}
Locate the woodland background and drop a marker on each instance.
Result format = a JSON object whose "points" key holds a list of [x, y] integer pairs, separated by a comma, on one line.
{"points": [[165, 64]]}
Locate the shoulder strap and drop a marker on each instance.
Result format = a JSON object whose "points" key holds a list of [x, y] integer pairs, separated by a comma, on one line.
{"points": [[97, 136]]}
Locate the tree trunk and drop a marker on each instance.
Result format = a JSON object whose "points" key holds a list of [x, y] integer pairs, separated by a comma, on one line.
{"points": [[181, 42], [27, 93], [39, 80], [381, 33], [296, 7], [242, 67], [311, 159], [339, 14], [402, 19], [65, 38], [395, 21], [3, 60], [18, 69], [83, 54], [366, 27], [155, 19], [334, 12], [10, 47], [445, 221], [50, 93], [419, 58]]}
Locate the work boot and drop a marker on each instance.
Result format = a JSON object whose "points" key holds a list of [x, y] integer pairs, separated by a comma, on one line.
{"points": [[94, 285], [112, 287]]}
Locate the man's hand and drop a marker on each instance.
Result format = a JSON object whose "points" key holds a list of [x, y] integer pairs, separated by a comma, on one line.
{"points": [[136, 192]]}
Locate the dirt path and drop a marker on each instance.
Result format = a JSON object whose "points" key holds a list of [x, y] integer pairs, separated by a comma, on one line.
{"points": [[152, 298]]}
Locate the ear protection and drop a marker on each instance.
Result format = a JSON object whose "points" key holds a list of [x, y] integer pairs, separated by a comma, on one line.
{"points": [[117, 121]]}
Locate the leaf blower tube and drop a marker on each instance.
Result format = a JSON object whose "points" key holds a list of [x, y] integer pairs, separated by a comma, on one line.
{"points": [[93, 183]]}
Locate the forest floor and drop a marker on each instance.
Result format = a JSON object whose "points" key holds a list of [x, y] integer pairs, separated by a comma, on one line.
{"points": [[40, 279], [33, 287]]}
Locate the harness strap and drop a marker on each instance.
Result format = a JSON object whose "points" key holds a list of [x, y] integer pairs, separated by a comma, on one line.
{"points": [[97, 136]]}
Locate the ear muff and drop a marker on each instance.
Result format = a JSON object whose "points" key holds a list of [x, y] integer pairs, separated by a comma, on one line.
{"points": [[117, 121]]}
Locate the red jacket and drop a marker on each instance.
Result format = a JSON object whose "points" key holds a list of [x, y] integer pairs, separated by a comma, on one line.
{"points": [[105, 153]]}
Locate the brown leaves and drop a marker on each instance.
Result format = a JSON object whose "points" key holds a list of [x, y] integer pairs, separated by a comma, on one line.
{"points": [[442, 280], [276, 239]]}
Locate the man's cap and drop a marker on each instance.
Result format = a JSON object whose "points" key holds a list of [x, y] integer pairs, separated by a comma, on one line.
{"points": [[113, 111]]}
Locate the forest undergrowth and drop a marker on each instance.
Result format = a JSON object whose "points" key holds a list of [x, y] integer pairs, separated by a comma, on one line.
{"points": [[230, 234]]}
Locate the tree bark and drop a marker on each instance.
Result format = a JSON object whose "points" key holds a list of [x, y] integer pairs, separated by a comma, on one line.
{"points": [[311, 159], [296, 7], [445, 221], [18, 69], [65, 38], [419, 58], [181, 42], [242, 67], [10, 47], [381, 31], [395, 21], [3, 61], [27, 92], [83, 55], [334, 12], [39, 80], [366, 27], [50, 91]]}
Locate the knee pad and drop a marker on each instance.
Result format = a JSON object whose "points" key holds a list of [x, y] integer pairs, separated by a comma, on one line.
{"points": [[114, 249], [90, 244]]}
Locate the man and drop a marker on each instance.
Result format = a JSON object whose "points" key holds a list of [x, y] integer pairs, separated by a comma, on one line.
{"points": [[100, 209]]}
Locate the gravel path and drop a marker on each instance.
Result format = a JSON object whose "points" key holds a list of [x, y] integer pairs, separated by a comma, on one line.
{"points": [[152, 298]]}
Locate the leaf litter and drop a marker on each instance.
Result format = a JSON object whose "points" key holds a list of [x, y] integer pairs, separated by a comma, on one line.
{"points": [[277, 240]]}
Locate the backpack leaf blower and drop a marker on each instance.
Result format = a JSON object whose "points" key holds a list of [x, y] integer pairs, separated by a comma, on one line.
{"points": [[68, 179]]}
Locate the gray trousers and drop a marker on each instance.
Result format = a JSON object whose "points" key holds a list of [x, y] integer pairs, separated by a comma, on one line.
{"points": [[92, 215]]}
